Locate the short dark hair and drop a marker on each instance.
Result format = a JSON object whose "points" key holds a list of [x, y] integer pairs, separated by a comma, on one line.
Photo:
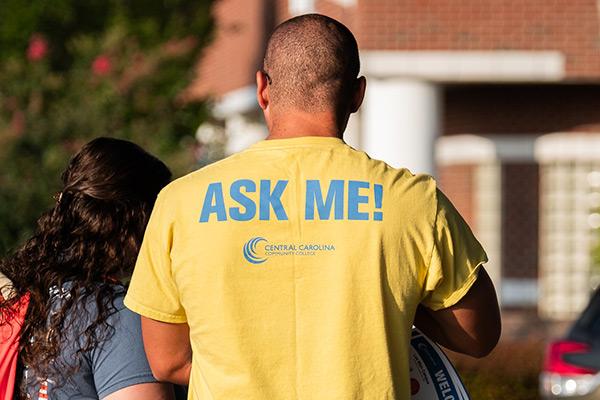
{"points": [[312, 62]]}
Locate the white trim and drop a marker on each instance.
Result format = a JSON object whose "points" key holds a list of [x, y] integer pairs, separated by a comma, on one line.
{"points": [[464, 149], [298, 7], [519, 292], [488, 209], [236, 102], [475, 149], [567, 147], [466, 66]]}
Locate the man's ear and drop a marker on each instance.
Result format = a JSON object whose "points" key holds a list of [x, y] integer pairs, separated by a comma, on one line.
{"points": [[262, 89], [359, 94]]}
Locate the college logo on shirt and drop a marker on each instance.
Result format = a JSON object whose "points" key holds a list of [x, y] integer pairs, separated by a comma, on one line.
{"points": [[258, 249], [250, 253]]}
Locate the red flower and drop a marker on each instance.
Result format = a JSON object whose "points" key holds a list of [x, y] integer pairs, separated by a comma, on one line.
{"points": [[101, 65], [38, 48]]}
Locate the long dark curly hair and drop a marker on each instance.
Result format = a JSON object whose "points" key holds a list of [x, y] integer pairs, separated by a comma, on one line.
{"points": [[90, 240]]}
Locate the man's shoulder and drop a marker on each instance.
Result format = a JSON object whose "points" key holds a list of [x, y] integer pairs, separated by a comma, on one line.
{"points": [[203, 175], [414, 192], [398, 177], [402, 181], [407, 194]]}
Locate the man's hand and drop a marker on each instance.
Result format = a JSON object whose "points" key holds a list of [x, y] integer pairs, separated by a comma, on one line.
{"points": [[168, 350], [472, 326]]}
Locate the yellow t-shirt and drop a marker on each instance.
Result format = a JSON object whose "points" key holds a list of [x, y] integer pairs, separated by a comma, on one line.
{"points": [[298, 265]]}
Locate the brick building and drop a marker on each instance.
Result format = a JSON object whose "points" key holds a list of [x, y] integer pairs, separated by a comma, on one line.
{"points": [[499, 99]]}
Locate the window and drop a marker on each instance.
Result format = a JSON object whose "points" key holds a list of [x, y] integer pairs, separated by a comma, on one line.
{"points": [[570, 221]]}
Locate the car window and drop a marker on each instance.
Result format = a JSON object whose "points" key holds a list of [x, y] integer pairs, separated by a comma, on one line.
{"points": [[596, 326], [587, 326], [591, 317], [595, 323]]}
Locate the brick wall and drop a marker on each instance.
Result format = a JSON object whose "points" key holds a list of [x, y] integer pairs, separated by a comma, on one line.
{"points": [[231, 61], [570, 26], [457, 182], [520, 220], [519, 212], [488, 109], [281, 13]]}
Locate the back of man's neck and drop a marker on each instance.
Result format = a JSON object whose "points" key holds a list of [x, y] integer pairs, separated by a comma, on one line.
{"points": [[298, 134], [304, 124]]}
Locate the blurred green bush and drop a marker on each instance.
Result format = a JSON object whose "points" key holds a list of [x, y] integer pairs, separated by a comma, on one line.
{"points": [[511, 371], [73, 70]]}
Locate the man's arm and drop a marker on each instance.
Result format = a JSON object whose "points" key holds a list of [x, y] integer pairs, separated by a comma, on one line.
{"points": [[168, 350], [472, 326]]}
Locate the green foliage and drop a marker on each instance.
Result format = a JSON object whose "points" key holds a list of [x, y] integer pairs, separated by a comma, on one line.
{"points": [[490, 386], [73, 70], [511, 371]]}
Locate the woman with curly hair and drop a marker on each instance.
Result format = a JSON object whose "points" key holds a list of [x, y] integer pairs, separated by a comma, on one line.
{"points": [[78, 341]]}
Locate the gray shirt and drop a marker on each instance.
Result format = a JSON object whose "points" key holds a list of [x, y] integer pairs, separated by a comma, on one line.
{"points": [[118, 362]]}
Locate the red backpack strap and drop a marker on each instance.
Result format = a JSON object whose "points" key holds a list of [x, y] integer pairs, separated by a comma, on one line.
{"points": [[10, 333]]}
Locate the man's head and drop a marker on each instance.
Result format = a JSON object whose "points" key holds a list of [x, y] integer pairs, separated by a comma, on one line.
{"points": [[311, 66]]}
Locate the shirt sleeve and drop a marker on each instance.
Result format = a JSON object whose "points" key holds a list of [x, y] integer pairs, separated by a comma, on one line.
{"points": [[455, 258], [152, 291], [120, 361]]}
